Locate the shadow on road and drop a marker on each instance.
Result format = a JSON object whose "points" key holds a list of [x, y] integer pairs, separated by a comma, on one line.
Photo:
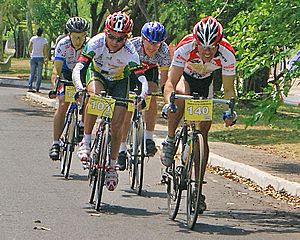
{"points": [[107, 209], [248, 222]]}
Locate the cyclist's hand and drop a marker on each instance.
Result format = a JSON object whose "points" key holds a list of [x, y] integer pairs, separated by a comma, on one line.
{"points": [[229, 120], [52, 94], [141, 104]]}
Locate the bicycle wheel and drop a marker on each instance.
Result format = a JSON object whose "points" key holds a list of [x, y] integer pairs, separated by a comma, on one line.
{"points": [[94, 162], [195, 173], [104, 153], [70, 146], [174, 191], [64, 139], [140, 159], [133, 169]]}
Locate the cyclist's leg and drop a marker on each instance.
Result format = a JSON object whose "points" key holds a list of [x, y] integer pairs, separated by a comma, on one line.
{"points": [[116, 89], [173, 121], [123, 146], [58, 124], [93, 87], [150, 115], [150, 120]]}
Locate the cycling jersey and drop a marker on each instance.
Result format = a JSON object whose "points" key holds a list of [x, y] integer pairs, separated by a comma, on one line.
{"points": [[65, 52], [161, 58], [186, 55], [112, 66]]}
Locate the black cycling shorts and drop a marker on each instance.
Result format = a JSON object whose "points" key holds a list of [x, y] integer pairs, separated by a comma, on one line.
{"points": [[200, 86], [151, 76], [117, 88]]}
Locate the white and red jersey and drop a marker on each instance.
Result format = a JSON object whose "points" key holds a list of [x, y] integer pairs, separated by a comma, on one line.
{"points": [[186, 55]]}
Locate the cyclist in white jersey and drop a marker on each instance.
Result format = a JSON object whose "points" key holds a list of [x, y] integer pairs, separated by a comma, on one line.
{"points": [[108, 58], [67, 52], [196, 56], [155, 57]]}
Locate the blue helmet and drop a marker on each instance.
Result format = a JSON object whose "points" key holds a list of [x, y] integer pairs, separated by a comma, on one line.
{"points": [[154, 32]]}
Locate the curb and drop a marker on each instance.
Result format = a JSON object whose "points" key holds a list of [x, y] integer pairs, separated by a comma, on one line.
{"points": [[21, 83], [262, 178]]}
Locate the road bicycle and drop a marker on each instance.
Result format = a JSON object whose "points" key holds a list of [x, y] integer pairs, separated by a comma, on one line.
{"points": [[103, 106], [187, 169], [71, 134], [136, 142]]}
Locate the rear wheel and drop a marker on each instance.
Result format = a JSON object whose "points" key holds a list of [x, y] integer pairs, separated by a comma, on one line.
{"points": [[195, 173]]}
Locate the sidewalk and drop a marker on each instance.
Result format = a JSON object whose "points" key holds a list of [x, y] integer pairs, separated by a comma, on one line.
{"points": [[262, 168]]}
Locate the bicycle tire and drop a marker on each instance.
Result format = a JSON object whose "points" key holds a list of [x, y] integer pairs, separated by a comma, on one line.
{"points": [[133, 156], [102, 166], [174, 192], [65, 151], [94, 160], [71, 146], [194, 185], [141, 158]]}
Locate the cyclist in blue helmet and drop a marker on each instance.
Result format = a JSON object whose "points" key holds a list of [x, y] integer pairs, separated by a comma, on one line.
{"points": [[155, 56]]}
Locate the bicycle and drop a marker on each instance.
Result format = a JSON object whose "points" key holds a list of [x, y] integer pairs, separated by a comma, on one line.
{"points": [[136, 151], [70, 135], [187, 169], [103, 106]]}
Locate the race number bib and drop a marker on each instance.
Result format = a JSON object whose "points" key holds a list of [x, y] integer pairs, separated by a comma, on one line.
{"points": [[69, 93], [101, 106], [130, 107], [198, 110]]}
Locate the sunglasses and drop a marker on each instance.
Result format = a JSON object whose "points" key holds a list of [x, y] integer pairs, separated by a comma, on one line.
{"points": [[115, 38]]}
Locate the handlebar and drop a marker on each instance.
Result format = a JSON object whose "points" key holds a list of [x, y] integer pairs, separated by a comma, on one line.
{"points": [[174, 96]]}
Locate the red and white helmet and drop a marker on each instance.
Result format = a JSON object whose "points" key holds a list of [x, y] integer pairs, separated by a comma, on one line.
{"points": [[208, 32], [119, 22]]}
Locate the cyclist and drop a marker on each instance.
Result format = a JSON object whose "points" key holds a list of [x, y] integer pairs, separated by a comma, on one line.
{"points": [[154, 55], [196, 56], [67, 51], [108, 56]]}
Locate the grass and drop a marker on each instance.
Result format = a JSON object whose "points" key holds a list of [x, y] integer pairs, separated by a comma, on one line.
{"points": [[281, 137], [20, 69]]}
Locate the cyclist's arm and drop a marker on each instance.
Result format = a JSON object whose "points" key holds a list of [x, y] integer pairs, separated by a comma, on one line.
{"points": [[142, 79], [79, 71], [163, 77], [57, 68], [228, 85], [173, 79]]}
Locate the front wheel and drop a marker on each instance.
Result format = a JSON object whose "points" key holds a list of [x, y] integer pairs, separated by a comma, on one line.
{"points": [[195, 174], [174, 177], [104, 159]]}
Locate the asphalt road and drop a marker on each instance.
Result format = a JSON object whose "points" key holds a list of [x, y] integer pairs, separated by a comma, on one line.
{"points": [[33, 195]]}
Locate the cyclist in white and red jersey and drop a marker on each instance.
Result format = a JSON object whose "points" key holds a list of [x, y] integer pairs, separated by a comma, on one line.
{"points": [[155, 57], [108, 58], [195, 58], [67, 52]]}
